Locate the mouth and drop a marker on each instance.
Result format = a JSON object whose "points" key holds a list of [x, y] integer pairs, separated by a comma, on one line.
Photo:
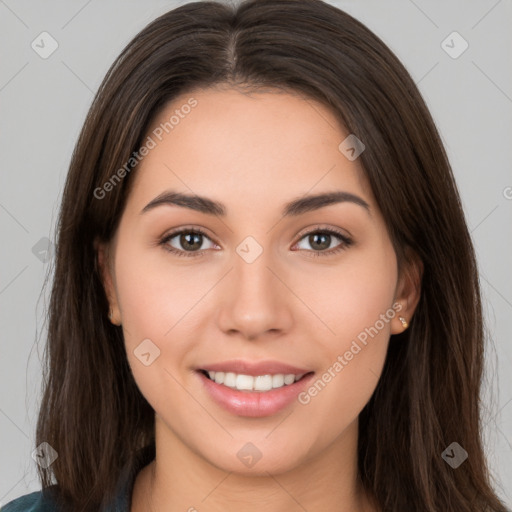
{"points": [[255, 396], [253, 383]]}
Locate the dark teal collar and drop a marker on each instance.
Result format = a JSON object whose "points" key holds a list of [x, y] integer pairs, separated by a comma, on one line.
{"points": [[122, 502]]}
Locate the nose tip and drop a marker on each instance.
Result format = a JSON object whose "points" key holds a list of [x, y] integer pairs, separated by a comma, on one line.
{"points": [[254, 302]]}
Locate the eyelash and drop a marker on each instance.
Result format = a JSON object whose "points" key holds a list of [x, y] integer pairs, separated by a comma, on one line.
{"points": [[346, 242]]}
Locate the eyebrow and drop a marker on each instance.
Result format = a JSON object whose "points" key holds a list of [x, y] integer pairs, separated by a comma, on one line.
{"points": [[293, 208]]}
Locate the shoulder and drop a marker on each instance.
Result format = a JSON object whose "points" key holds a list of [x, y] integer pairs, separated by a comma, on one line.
{"points": [[33, 502], [49, 499]]}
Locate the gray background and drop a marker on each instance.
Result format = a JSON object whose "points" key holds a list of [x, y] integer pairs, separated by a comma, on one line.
{"points": [[44, 103]]}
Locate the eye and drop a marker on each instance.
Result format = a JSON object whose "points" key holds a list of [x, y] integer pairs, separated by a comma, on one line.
{"points": [[321, 241], [191, 241]]}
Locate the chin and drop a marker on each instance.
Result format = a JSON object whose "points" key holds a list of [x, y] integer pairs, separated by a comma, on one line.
{"points": [[247, 458]]}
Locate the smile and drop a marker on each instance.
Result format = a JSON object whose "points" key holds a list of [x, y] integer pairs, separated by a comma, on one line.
{"points": [[260, 383], [253, 396]]}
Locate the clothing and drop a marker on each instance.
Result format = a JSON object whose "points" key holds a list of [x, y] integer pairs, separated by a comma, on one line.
{"points": [[43, 502]]}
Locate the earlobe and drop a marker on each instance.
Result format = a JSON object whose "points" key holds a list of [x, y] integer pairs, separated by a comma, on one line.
{"points": [[405, 324]]}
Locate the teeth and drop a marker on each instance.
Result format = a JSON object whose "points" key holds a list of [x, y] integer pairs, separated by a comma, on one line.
{"points": [[229, 380], [250, 383], [278, 380]]}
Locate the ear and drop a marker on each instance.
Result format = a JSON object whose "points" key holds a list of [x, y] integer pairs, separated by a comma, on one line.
{"points": [[408, 291], [105, 267]]}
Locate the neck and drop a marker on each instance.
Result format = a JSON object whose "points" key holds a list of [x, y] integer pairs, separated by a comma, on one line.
{"points": [[181, 480]]}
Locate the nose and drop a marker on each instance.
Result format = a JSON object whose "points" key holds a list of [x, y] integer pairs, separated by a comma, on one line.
{"points": [[255, 300]]}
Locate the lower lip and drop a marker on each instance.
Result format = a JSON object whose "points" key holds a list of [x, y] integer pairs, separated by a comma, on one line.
{"points": [[254, 404]]}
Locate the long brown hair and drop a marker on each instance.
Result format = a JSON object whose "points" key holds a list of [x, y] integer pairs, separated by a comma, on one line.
{"points": [[92, 412]]}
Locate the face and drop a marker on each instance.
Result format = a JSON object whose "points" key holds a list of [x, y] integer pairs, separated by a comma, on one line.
{"points": [[315, 287]]}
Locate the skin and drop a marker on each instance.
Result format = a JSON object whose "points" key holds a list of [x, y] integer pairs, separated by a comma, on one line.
{"points": [[254, 153]]}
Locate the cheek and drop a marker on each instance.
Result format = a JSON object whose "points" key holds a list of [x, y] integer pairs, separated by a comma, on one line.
{"points": [[350, 296], [154, 294], [356, 302], [353, 363], [159, 302]]}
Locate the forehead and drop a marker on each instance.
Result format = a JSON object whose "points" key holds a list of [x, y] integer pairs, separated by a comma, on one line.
{"points": [[258, 146]]}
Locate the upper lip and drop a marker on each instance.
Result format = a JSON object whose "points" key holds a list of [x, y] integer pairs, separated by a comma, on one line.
{"points": [[267, 367]]}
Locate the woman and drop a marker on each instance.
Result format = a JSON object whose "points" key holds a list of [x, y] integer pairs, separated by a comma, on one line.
{"points": [[266, 295]]}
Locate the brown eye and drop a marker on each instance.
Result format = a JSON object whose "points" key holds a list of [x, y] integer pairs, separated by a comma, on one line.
{"points": [[190, 241], [187, 242], [321, 242]]}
